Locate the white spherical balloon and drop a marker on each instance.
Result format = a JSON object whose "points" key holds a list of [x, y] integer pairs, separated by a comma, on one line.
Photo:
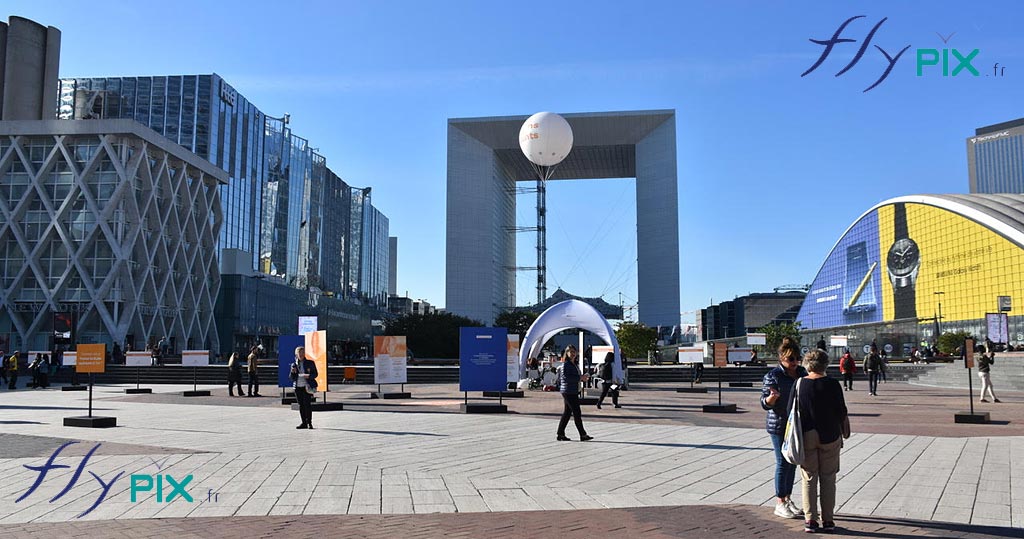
{"points": [[545, 138]]}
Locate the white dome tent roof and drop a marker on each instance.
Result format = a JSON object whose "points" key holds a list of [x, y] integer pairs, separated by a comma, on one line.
{"points": [[569, 314]]}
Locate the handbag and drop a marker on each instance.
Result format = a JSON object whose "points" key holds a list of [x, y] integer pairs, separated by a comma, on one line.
{"points": [[793, 440]]}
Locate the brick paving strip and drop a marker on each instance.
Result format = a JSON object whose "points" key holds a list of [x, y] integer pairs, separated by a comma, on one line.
{"points": [[720, 521]]}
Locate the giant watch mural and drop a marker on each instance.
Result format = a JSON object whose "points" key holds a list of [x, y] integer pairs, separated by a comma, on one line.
{"points": [[903, 256]]}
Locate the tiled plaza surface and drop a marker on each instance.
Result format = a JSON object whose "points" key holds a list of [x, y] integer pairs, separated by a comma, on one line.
{"points": [[907, 466]]}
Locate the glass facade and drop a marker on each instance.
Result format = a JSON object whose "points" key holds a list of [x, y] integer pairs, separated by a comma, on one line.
{"points": [[298, 219], [995, 159], [897, 264], [202, 113]]}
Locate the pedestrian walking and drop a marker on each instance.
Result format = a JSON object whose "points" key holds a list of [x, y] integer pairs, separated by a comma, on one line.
{"points": [[848, 367], [873, 368], [235, 375], [608, 383], [44, 371], [884, 366], [569, 385], [822, 414], [988, 357], [33, 371], [775, 391], [303, 376], [698, 371], [3, 369], [254, 371], [12, 370]]}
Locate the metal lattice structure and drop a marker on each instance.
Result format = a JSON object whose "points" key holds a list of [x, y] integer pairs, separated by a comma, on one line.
{"points": [[109, 220]]}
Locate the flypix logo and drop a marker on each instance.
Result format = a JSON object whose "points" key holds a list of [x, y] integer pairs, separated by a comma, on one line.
{"points": [[167, 486], [953, 62]]}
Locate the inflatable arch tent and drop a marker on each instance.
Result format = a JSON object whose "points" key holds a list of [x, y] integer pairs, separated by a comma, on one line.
{"points": [[569, 314]]}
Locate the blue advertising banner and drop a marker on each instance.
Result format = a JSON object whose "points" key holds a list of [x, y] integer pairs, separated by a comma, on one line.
{"points": [[286, 345], [482, 359]]}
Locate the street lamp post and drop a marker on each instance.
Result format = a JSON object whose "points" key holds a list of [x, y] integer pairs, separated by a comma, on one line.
{"points": [[255, 319], [938, 318]]}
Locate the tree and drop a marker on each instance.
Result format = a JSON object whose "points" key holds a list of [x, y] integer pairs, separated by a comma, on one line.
{"points": [[517, 322], [773, 334], [431, 335], [949, 342], [635, 339]]}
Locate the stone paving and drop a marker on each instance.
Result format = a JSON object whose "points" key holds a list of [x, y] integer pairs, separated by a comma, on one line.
{"points": [[249, 461]]}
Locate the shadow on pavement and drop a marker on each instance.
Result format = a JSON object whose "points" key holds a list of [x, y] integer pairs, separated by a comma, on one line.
{"points": [[18, 407], [940, 529], [393, 433], [695, 446]]}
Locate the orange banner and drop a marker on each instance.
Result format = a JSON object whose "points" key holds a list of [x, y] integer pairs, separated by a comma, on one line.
{"points": [[91, 358], [316, 351], [389, 359]]}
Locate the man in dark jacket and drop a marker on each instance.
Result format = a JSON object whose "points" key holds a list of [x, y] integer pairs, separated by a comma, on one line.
{"points": [[607, 381], [303, 376], [873, 367], [569, 386]]}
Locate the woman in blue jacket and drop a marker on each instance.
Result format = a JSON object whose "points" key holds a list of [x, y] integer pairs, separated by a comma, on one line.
{"points": [[775, 397], [569, 385]]}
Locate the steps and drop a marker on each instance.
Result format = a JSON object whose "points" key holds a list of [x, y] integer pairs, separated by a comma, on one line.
{"points": [[218, 374], [1007, 374], [449, 374], [897, 372]]}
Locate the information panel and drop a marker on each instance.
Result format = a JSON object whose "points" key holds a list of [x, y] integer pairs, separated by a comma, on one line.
{"points": [[69, 357], [482, 354], [307, 324], [968, 353], [839, 341], [998, 325], [286, 345], [389, 360], [91, 358], [195, 358], [512, 359], [721, 354], [138, 359], [316, 351], [691, 355], [754, 339]]}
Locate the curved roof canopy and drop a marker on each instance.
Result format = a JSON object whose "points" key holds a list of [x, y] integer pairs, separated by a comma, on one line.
{"points": [[569, 314]]}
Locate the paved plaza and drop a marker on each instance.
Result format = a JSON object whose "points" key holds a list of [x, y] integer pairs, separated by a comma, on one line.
{"points": [[657, 465]]}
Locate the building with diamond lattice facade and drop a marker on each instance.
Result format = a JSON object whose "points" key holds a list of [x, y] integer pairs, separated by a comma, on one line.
{"points": [[110, 225]]}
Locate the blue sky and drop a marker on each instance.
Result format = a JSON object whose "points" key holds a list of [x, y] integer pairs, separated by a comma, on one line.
{"points": [[772, 167]]}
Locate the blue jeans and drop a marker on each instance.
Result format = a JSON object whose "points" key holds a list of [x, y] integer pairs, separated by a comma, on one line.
{"points": [[785, 473]]}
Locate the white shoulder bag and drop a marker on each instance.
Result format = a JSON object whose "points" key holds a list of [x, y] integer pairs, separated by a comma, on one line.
{"points": [[793, 440]]}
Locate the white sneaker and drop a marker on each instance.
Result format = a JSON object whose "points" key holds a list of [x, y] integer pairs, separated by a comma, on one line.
{"points": [[797, 512], [782, 510]]}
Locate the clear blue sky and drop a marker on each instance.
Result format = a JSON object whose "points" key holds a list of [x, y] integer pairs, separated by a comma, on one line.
{"points": [[772, 167]]}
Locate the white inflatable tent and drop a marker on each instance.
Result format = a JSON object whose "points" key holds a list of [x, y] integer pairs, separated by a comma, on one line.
{"points": [[569, 314]]}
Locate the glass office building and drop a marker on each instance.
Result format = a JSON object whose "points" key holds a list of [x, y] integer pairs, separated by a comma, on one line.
{"points": [[297, 219], [995, 158]]}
